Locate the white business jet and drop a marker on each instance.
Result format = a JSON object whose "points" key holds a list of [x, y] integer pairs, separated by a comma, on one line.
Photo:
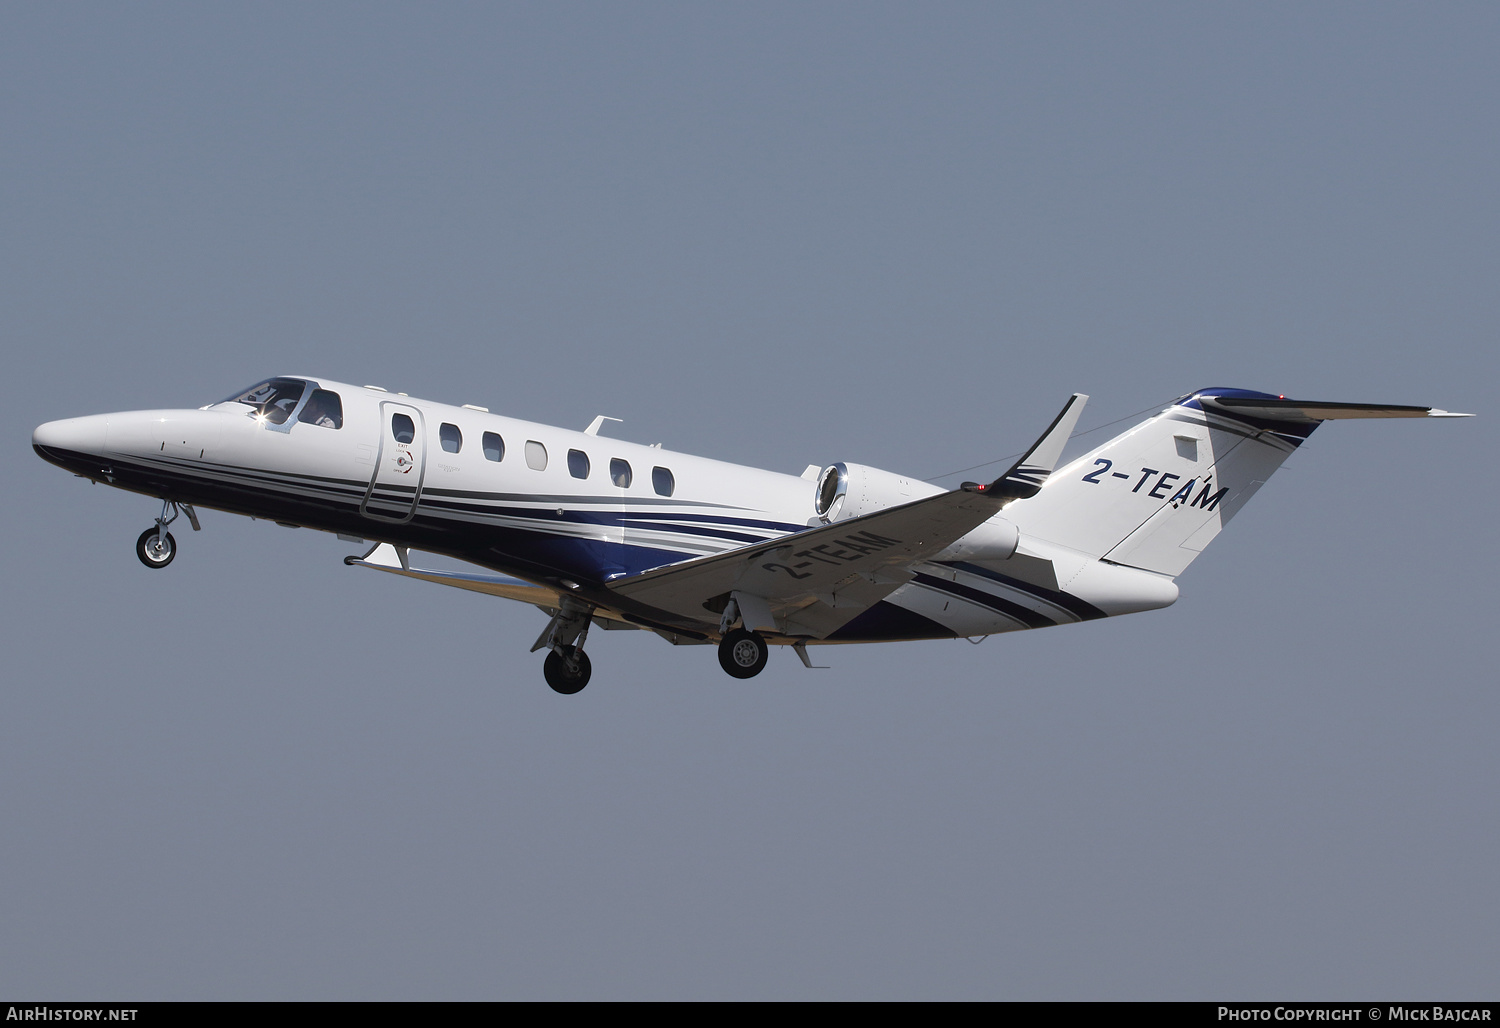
{"points": [[616, 535]]}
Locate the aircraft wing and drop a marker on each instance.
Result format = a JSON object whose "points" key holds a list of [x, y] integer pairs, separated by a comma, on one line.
{"points": [[388, 558], [396, 560], [811, 583]]}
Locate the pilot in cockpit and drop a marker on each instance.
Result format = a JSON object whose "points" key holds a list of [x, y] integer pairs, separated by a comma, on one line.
{"points": [[323, 409]]}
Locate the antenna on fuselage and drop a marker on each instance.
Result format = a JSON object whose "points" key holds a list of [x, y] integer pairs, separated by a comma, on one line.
{"points": [[598, 423]]}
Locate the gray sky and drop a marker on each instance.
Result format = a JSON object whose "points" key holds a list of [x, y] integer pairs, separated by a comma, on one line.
{"points": [[777, 234]]}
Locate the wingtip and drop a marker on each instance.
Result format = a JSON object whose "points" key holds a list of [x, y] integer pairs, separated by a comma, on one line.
{"points": [[1027, 476]]}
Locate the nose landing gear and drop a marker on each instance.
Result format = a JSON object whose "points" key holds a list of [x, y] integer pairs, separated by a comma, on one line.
{"points": [[156, 547]]}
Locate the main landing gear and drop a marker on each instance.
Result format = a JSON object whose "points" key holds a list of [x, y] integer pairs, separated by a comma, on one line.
{"points": [[743, 653], [156, 547], [567, 668]]}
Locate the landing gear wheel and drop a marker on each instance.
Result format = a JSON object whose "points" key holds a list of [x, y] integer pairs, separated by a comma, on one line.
{"points": [[561, 679], [155, 553], [743, 654]]}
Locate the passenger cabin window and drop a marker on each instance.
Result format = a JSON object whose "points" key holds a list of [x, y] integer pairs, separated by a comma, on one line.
{"points": [[451, 438], [324, 409], [578, 464], [402, 428], [662, 482], [619, 473], [494, 446], [536, 455], [274, 399]]}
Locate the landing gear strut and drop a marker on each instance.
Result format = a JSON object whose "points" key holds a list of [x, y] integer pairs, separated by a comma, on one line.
{"points": [[567, 667], [156, 547]]}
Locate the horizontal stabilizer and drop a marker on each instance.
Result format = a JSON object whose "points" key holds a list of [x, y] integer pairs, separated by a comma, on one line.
{"points": [[1312, 411]]}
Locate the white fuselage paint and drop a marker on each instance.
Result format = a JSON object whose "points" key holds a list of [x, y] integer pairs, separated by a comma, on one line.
{"points": [[546, 525]]}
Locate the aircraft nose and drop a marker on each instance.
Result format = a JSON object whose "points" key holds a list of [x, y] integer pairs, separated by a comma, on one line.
{"points": [[58, 440]]}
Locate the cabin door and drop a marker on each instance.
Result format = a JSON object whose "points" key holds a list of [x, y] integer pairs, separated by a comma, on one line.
{"points": [[399, 466]]}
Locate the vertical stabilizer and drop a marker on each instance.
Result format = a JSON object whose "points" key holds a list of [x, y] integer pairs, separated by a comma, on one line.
{"points": [[1155, 496]]}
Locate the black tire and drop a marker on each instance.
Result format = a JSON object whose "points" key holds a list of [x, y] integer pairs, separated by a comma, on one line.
{"points": [[560, 678], [146, 549], [743, 654]]}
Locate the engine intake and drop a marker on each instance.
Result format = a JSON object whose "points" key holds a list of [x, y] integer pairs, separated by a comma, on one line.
{"points": [[849, 490]]}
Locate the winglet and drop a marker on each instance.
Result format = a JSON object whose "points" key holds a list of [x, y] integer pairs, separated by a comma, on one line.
{"points": [[1026, 478]]}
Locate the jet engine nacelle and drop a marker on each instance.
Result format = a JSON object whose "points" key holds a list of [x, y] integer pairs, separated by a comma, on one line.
{"points": [[850, 490]]}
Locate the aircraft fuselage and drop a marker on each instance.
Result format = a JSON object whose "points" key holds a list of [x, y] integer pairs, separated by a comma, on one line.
{"points": [[600, 531]]}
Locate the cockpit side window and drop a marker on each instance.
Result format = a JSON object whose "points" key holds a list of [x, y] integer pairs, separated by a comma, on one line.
{"points": [[274, 399], [324, 409]]}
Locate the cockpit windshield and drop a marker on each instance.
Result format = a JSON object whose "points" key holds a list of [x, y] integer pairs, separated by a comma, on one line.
{"points": [[274, 399]]}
